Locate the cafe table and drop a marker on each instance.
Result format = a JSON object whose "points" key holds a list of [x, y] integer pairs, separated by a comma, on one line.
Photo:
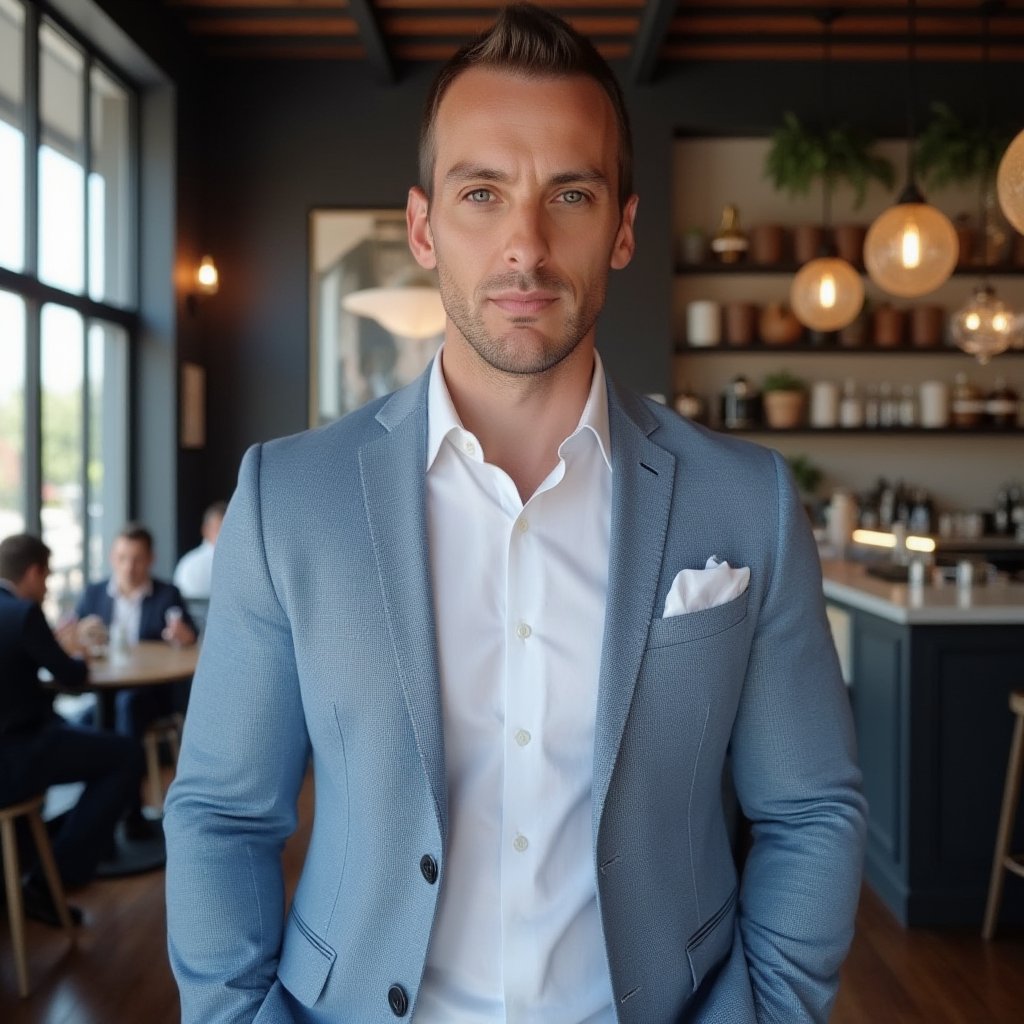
{"points": [[148, 663]]}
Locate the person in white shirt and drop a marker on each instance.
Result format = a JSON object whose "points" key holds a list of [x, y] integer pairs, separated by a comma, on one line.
{"points": [[516, 617], [194, 569]]}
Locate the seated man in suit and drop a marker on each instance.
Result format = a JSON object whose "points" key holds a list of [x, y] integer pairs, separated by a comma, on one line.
{"points": [[134, 605], [38, 748]]}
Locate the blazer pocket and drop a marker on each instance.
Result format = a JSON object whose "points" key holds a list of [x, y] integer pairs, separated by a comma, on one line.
{"points": [[711, 943], [682, 629], [305, 962]]}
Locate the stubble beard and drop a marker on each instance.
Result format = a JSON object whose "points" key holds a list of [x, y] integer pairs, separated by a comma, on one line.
{"points": [[514, 351]]}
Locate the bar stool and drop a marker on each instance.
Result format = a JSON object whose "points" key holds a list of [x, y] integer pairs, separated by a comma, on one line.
{"points": [[1004, 860], [162, 730], [31, 809]]}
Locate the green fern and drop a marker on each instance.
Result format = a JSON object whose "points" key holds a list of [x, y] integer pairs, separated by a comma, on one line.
{"points": [[951, 152], [799, 156]]}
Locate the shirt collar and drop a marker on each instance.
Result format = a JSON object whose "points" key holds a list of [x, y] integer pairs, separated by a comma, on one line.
{"points": [[8, 586], [442, 418], [146, 590]]}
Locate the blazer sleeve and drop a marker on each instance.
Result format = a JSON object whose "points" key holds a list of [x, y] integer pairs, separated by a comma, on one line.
{"points": [[795, 770], [43, 648], [233, 800]]}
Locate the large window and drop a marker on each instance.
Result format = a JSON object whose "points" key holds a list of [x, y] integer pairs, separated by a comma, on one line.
{"points": [[67, 292]]}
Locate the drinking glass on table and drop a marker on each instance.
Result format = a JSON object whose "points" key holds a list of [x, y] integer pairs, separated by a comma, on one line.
{"points": [[172, 625]]}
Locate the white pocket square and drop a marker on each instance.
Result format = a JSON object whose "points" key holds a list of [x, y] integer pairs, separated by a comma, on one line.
{"points": [[695, 589]]}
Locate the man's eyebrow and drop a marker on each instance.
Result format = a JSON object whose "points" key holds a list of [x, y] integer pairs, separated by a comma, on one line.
{"points": [[465, 171]]}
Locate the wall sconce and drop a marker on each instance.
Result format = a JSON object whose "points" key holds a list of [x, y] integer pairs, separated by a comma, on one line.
{"points": [[207, 277]]}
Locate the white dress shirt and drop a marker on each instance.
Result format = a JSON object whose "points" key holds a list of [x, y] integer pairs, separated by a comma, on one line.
{"points": [[519, 594], [127, 614], [193, 572]]}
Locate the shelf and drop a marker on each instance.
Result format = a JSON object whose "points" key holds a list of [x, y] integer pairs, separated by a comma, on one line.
{"points": [[828, 349], [713, 267], [885, 431]]}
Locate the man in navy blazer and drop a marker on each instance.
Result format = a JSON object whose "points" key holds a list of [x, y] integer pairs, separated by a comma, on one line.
{"points": [[144, 608], [517, 618], [38, 749]]}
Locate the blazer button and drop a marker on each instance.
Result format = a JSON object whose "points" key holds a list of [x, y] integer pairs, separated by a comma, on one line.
{"points": [[428, 866], [398, 1000]]}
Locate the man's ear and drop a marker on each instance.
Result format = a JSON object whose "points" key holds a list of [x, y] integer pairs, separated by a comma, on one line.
{"points": [[417, 222], [625, 241]]}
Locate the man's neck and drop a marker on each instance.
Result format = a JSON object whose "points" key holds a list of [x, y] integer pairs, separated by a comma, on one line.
{"points": [[519, 419]]}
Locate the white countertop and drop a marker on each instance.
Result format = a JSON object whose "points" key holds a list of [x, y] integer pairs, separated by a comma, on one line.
{"points": [[999, 603]]}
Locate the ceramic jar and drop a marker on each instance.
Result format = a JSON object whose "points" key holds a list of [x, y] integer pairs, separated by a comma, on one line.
{"points": [[779, 326]]}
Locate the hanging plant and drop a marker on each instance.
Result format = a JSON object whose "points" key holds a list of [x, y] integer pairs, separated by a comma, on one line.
{"points": [[951, 152], [799, 156]]}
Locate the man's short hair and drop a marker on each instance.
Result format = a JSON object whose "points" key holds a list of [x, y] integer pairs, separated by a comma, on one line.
{"points": [[18, 553], [136, 532], [215, 511], [529, 41]]}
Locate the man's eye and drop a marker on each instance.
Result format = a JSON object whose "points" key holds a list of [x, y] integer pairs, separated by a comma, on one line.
{"points": [[573, 197], [479, 195]]}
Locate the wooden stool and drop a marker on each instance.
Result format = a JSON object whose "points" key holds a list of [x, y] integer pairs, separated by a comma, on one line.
{"points": [[162, 730], [1004, 860], [33, 810]]}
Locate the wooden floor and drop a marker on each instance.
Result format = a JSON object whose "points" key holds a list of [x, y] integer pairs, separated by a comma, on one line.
{"points": [[118, 973]]}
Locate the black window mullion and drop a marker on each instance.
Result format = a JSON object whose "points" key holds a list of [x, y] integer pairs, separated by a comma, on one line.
{"points": [[31, 130], [33, 418], [85, 154]]}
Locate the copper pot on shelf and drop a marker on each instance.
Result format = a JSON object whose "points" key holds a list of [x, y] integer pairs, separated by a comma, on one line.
{"points": [[767, 244], [926, 323], [887, 326], [779, 326], [807, 242], [741, 320]]}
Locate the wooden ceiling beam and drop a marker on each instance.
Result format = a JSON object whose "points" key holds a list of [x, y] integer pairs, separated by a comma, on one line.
{"points": [[281, 5], [774, 50], [273, 26], [469, 26]]}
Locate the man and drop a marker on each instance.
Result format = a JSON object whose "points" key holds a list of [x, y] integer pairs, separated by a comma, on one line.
{"points": [[38, 748], [131, 606], [192, 575], [462, 602]]}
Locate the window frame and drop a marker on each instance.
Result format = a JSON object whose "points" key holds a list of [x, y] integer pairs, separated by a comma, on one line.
{"points": [[35, 293]]}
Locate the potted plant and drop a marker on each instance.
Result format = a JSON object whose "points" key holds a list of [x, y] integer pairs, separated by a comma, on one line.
{"points": [[807, 476], [784, 397], [952, 152], [800, 155]]}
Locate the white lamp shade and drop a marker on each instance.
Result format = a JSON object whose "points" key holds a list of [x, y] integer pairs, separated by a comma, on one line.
{"points": [[826, 294], [411, 312], [911, 249], [985, 326], [1010, 183]]}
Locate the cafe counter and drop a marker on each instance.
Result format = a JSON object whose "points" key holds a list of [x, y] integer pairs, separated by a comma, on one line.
{"points": [[930, 671]]}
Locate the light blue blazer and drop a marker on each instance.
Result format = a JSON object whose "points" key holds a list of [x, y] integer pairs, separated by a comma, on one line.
{"points": [[321, 643]]}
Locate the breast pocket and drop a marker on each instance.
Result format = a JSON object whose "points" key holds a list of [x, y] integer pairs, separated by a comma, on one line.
{"points": [[683, 629]]}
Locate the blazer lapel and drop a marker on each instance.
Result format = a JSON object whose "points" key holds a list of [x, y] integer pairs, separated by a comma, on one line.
{"points": [[642, 484], [393, 477]]}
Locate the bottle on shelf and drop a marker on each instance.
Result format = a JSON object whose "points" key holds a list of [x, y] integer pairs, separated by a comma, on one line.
{"points": [[730, 243], [1001, 405], [871, 407], [851, 408], [888, 406], [907, 406], [966, 406]]}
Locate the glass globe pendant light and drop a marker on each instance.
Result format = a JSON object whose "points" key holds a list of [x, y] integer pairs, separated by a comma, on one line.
{"points": [[912, 248], [985, 326], [1010, 183], [827, 293]]}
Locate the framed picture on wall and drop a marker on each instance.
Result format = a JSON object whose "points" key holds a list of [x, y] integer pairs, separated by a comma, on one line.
{"points": [[376, 318]]}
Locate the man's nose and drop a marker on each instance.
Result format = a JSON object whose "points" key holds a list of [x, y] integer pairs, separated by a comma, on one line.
{"points": [[526, 239]]}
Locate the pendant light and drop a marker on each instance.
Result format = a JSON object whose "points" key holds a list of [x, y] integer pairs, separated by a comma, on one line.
{"points": [[912, 248], [985, 326], [1010, 183], [827, 293]]}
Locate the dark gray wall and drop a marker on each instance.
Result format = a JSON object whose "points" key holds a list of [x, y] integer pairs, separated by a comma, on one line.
{"points": [[282, 138]]}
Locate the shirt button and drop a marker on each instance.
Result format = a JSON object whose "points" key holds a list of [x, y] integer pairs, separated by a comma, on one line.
{"points": [[522, 524], [469, 447], [522, 737], [523, 631], [520, 843]]}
